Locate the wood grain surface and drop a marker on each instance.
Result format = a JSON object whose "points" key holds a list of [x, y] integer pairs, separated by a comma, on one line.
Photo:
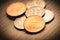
{"points": [[9, 32]]}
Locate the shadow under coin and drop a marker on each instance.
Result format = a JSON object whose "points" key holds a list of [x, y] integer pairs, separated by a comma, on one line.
{"points": [[32, 33], [50, 21], [19, 29], [14, 17], [43, 15]]}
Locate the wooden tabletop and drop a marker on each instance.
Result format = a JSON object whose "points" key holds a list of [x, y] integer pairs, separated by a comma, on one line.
{"points": [[50, 32]]}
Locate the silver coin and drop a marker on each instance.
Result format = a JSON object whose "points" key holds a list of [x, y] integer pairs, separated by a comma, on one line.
{"points": [[18, 23], [36, 10], [40, 3], [49, 15]]}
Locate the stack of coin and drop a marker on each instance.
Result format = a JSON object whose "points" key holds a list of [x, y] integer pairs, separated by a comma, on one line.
{"points": [[35, 11], [36, 15], [17, 9]]}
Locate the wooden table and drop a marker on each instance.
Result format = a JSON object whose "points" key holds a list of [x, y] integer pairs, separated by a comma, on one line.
{"points": [[9, 32]]}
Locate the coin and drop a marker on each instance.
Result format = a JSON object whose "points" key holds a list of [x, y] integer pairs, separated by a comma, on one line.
{"points": [[40, 3], [16, 9], [49, 15], [18, 23], [34, 24], [36, 10]]}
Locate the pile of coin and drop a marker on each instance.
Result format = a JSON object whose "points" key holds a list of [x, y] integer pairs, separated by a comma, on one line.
{"points": [[35, 15]]}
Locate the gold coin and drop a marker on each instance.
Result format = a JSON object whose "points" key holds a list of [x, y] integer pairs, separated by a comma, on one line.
{"points": [[18, 23], [16, 9], [36, 10], [32, 3], [34, 24]]}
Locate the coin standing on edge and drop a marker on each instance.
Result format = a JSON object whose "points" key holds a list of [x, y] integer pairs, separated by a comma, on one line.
{"points": [[36, 10], [16, 9], [34, 24], [49, 15], [18, 23], [40, 3]]}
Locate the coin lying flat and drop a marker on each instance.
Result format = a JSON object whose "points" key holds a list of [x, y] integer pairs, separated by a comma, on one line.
{"points": [[34, 24], [16, 9], [40, 3], [36, 10], [49, 15], [18, 23]]}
